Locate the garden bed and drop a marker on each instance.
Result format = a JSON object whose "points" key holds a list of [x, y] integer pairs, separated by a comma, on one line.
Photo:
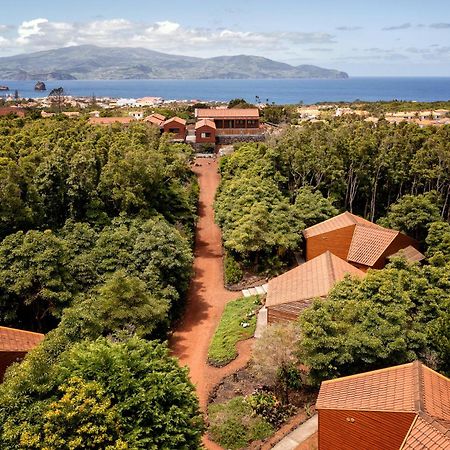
{"points": [[238, 322]]}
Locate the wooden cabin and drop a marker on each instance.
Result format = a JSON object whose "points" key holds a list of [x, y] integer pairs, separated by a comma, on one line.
{"points": [[175, 126], [205, 132], [14, 345], [360, 242], [404, 407], [12, 111], [290, 293], [111, 120], [155, 119], [232, 122]]}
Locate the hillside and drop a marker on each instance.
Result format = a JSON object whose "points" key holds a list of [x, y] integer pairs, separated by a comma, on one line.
{"points": [[88, 62]]}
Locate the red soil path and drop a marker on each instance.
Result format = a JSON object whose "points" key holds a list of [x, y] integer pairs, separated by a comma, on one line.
{"points": [[206, 298]]}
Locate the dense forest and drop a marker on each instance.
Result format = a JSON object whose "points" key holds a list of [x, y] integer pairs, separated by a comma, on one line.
{"points": [[398, 175], [96, 236]]}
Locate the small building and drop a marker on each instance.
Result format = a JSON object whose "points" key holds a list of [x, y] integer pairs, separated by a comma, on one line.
{"points": [[205, 131], [358, 241], [290, 293], [110, 120], [175, 126], [14, 345], [12, 111], [233, 121], [138, 115], [155, 119], [404, 407]]}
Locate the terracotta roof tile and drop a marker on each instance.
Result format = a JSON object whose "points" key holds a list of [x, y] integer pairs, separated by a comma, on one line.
{"points": [[426, 434], [389, 389], [410, 253], [205, 123], [110, 120], [156, 119], [436, 394], [233, 113], [369, 243], [13, 340], [343, 220], [175, 119], [312, 279]]}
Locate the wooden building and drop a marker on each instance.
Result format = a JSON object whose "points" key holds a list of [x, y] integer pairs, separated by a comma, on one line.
{"points": [[111, 120], [14, 345], [155, 119], [404, 407], [12, 111], [232, 122], [290, 293], [360, 242], [205, 131], [175, 126]]}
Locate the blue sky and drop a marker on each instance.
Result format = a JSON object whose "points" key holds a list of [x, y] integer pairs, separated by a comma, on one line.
{"points": [[395, 37]]}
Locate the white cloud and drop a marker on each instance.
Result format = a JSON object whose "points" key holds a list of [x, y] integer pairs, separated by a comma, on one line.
{"points": [[41, 34]]}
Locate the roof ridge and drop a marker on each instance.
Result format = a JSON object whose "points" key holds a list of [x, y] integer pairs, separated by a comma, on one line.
{"points": [[413, 423], [331, 272], [419, 399], [21, 331], [363, 374]]}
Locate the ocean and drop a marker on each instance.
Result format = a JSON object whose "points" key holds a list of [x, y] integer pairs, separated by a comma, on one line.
{"points": [[279, 91]]}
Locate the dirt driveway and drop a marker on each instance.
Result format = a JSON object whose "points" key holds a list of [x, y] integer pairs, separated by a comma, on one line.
{"points": [[207, 297]]}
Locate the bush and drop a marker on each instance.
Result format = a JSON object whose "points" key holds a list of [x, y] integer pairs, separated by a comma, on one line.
{"points": [[238, 322], [233, 271], [266, 405], [234, 425]]}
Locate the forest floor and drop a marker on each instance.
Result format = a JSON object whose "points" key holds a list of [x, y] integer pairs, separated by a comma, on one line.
{"points": [[207, 297]]}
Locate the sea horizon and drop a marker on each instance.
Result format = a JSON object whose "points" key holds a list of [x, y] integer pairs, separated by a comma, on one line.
{"points": [[279, 91]]}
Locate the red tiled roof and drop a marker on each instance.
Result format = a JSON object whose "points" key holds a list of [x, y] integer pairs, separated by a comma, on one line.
{"points": [[411, 387], [175, 119], [158, 116], [232, 113], [156, 119], [13, 340], [426, 434], [110, 120], [343, 220], [205, 123], [369, 243], [410, 253], [312, 279]]}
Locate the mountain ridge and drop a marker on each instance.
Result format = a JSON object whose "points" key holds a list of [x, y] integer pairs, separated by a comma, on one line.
{"points": [[90, 62]]}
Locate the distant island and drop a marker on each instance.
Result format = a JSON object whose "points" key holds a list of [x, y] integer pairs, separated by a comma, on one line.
{"points": [[89, 62]]}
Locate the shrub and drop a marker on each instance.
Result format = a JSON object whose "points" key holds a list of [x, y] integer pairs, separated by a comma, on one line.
{"points": [[233, 271], [234, 424], [266, 405]]}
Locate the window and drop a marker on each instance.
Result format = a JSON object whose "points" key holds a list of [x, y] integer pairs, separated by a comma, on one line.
{"points": [[206, 135], [240, 123], [252, 123], [174, 130]]}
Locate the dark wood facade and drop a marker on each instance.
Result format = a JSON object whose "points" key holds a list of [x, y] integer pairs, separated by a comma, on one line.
{"points": [[362, 430], [7, 358], [175, 126], [205, 134]]}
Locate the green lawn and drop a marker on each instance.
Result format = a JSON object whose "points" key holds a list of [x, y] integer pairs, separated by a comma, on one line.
{"points": [[230, 331]]}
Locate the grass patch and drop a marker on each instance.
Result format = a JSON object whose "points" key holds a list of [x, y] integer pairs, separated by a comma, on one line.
{"points": [[233, 424], [230, 331]]}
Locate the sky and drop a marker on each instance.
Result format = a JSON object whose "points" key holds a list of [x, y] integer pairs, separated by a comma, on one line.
{"points": [[363, 38]]}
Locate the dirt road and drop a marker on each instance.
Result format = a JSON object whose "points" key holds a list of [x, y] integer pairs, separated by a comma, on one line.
{"points": [[207, 297]]}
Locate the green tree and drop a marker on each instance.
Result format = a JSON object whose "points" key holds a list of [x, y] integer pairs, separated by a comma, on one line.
{"points": [[140, 398], [412, 214]]}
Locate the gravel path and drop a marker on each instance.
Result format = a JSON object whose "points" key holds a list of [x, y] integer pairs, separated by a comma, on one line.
{"points": [[207, 297]]}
